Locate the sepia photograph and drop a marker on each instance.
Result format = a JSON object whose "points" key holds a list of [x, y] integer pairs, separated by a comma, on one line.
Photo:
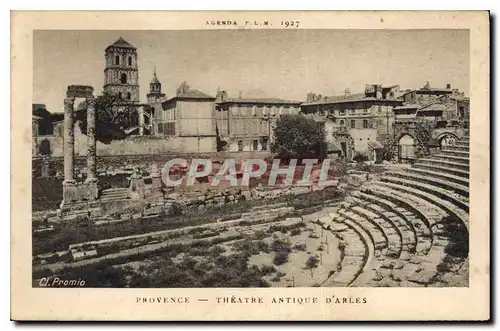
{"points": [[252, 152]]}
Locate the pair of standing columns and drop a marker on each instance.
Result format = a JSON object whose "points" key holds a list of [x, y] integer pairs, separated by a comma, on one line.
{"points": [[69, 141]]}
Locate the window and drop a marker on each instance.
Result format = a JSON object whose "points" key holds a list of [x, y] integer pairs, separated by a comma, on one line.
{"points": [[255, 145], [129, 96], [130, 61], [117, 60], [342, 122], [353, 124], [240, 145], [365, 124], [342, 112], [123, 78], [167, 129], [120, 95]]}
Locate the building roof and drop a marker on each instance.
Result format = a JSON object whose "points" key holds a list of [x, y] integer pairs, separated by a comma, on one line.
{"points": [[194, 94], [122, 43], [406, 107], [346, 99], [190, 95], [155, 79], [436, 106], [260, 100], [375, 145]]}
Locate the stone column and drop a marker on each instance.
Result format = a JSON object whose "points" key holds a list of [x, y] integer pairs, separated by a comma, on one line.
{"points": [[140, 112], [69, 141], [70, 189], [91, 143], [91, 183]]}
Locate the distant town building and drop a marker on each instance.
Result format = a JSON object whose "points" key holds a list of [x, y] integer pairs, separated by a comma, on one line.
{"points": [[246, 124], [369, 110], [189, 114]]}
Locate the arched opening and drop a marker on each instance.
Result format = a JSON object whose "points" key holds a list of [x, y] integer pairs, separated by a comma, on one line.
{"points": [[129, 96], [117, 60], [406, 148], [240, 145], [120, 96], [447, 140], [45, 148], [130, 61], [123, 78], [342, 122]]}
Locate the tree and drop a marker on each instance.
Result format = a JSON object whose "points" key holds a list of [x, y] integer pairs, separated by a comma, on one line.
{"points": [[311, 263], [360, 157], [113, 117], [299, 137], [388, 151]]}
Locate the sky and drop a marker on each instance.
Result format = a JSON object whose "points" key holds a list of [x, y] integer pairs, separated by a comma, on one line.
{"points": [[284, 64]]}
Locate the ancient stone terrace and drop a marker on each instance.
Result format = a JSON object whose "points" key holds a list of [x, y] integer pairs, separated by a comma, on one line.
{"points": [[393, 228]]}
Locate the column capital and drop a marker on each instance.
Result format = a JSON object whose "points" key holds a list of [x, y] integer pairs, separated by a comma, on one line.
{"points": [[90, 100], [70, 101]]}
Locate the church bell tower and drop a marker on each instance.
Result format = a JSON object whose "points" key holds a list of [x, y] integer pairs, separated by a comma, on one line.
{"points": [[155, 95], [121, 75]]}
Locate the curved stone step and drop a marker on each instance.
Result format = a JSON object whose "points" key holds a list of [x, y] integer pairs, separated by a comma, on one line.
{"points": [[443, 163], [434, 181], [458, 201], [394, 219], [427, 215], [442, 175], [454, 152], [392, 233], [452, 158], [457, 148], [377, 236], [444, 169], [433, 199], [357, 253]]}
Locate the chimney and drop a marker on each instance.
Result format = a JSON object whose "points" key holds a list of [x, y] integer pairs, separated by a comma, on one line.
{"points": [[448, 86], [347, 93]]}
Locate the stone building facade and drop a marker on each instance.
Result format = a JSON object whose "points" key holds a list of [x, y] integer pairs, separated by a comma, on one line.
{"points": [[369, 110], [246, 124], [188, 116]]}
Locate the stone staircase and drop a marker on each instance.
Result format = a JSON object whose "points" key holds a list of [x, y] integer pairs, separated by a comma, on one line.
{"points": [[114, 194], [392, 226]]}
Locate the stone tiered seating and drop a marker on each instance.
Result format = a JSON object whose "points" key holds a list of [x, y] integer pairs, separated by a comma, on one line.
{"points": [[398, 217], [357, 252]]}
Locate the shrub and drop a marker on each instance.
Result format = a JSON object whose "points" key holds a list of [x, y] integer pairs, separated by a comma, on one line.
{"points": [[312, 262], [360, 157], [267, 269], [295, 232], [275, 279], [300, 247], [280, 258]]}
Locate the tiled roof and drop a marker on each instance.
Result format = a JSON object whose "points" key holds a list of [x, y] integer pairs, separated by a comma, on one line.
{"points": [[122, 43], [407, 106], [260, 100], [436, 106], [194, 94]]}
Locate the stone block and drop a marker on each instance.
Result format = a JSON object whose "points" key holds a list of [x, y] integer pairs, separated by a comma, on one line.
{"points": [[70, 192]]}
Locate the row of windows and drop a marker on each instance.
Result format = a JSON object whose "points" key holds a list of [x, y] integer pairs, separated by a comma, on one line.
{"points": [[379, 109], [167, 129], [128, 95], [117, 60], [352, 124], [259, 111], [246, 128]]}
